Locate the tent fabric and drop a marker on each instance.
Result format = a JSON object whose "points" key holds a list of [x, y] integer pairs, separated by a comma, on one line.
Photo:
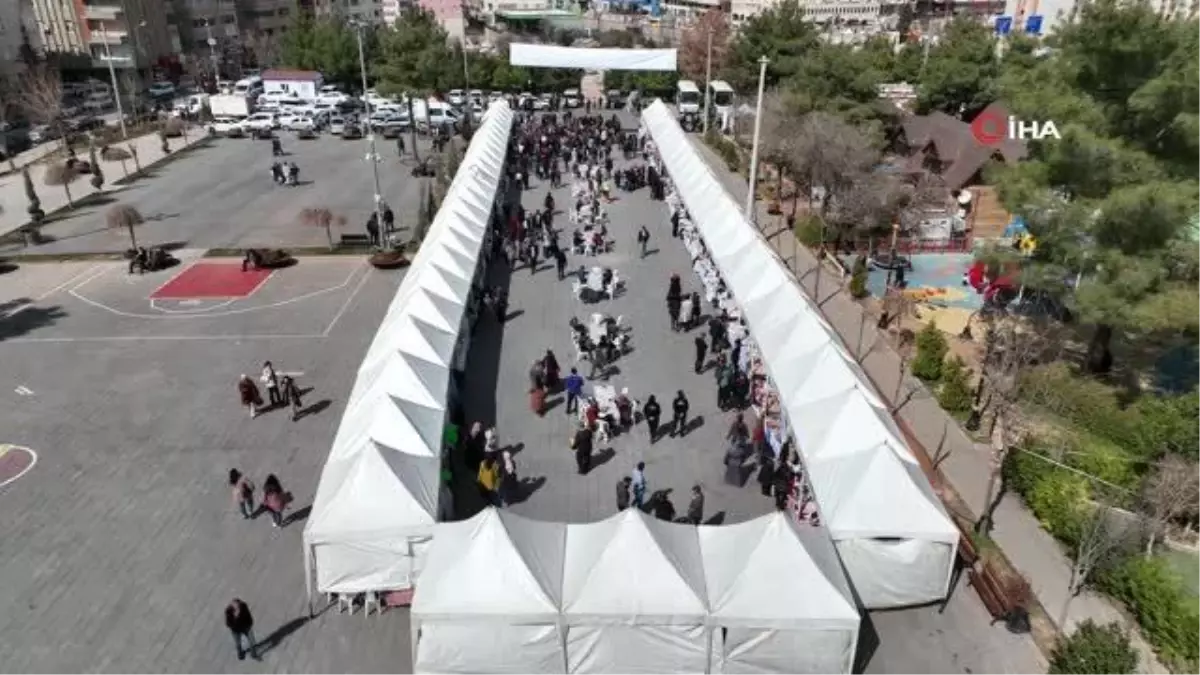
{"points": [[838, 420], [378, 492], [750, 650], [743, 565], [637, 649], [633, 569], [872, 563], [495, 564], [499, 648], [553, 56]]}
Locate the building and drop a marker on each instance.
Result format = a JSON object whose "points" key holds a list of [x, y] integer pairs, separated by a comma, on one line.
{"points": [[302, 84], [449, 14], [17, 31], [365, 11], [133, 34], [946, 147]]}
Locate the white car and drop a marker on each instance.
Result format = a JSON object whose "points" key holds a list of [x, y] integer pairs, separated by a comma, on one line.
{"points": [[455, 97], [331, 95], [495, 96], [261, 121], [572, 99], [303, 123], [226, 125], [542, 102]]}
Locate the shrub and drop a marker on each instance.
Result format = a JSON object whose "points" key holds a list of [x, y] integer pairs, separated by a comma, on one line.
{"points": [[808, 231], [173, 127], [858, 280], [1094, 649], [114, 154], [1156, 597], [955, 395], [1058, 499], [61, 173], [931, 353], [97, 174], [726, 149]]}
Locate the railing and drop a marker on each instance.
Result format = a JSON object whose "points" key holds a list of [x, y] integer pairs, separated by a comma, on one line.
{"points": [[102, 12], [909, 246]]}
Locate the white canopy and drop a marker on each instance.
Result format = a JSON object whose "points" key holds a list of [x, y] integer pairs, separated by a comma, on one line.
{"points": [[377, 498], [779, 592], [843, 430], [655, 566], [553, 56]]}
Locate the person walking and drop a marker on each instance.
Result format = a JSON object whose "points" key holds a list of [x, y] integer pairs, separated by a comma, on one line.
{"points": [[582, 443], [240, 622], [271, 381], [248, 392], [291, 393], [243, 493], [560, 263], [274, 499], [489, 481], [638, 483], [643, 239], [509, 480], [652, 411], [574, 388], [551, 371], [695, 510], [766, 471], [694, 319], [623, 493], [679, 408], [701, 353], [400, 145]]}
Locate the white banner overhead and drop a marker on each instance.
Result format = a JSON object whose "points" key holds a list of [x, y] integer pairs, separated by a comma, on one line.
{"points": [[552, 56]]}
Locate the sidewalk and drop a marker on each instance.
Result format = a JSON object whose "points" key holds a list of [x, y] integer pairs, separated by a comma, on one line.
{"points": [[54, 197], [964, 463]]}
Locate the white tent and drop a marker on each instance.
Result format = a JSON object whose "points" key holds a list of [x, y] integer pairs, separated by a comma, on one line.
{"points": [[488, 598], [896, 540], [378, 495], [553, 56], [779, 598], [634, 597]]}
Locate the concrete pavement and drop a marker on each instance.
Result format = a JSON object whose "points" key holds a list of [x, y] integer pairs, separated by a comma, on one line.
{"points": [[964, 463]]}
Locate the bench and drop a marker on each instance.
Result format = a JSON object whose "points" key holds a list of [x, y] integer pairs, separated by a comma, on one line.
{"points": [[355, 240], [1004, 601]]}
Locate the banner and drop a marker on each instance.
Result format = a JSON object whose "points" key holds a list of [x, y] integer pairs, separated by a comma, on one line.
{"points": [[552, 56]]}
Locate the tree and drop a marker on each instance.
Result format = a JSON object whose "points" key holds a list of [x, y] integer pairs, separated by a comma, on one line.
{"points": [[97, 179], [36, 214], [954, 395], [425, 213], [858, 280], [328, 45], [40, 95], [931, 353], [7, 111], [124, 216], [1095, 649], [693, 45], [62, 173], [960, 72], [1168, 494], [319, 217], [262, 49], [783, 34], [1101, 535], [414, 60]]}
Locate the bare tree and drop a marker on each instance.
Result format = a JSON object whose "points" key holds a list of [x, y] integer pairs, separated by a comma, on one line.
{"points": [[319, 217], [126, 217], [1169, 493], [778, 141], [1102, 535], [62, 173], [40, 97], [693, 44], [263, 48], [6, 114]]}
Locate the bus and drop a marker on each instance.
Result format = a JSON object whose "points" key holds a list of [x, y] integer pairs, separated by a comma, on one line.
{"points": [[687, 97], [722, 102]]}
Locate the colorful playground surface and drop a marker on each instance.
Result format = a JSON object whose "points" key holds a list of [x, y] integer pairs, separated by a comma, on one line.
{"points": [[936, 278]]}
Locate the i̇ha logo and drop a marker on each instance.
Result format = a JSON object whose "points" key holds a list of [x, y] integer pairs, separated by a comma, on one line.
{"points": [[991, 128]]}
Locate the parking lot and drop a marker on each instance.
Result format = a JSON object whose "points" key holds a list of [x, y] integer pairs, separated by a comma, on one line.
{"points": [[224, 197], [120, 547]]}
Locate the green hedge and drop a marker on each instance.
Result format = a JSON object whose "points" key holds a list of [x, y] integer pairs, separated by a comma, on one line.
{"points": [[1155, 594], [955, 395], [1093, 648], [808, 231], [1056, 496], [727, 149], [931, 353]]}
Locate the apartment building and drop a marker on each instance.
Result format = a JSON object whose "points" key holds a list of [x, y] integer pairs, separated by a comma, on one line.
{"points": [[866, 13], [132, 33], [365, 11], [17, 30]]}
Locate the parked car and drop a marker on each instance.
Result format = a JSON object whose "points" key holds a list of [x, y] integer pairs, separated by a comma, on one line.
{"points": [[352, 132], [305, 123], [227, 126], [261, 121], [456, 97], [543, 102], [337, 124], [44, 132], [330, 94], [161, 90]]}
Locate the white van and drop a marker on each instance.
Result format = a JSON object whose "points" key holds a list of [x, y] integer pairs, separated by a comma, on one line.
{"points": [[572, 99], [251, 86], [687, 97]]}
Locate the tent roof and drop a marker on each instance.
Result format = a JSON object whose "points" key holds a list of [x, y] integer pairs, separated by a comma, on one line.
{"points": [[381, 478], [496, 565], [831, 405], [632, 568], [752, 570]]}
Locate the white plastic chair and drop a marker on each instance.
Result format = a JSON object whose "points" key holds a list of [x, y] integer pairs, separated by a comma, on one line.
{"points": [[372, 599], [345, 601], [602, 437], [577, 289]]}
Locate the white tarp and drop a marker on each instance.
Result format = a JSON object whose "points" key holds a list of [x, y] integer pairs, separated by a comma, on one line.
{"points": [[843, 430], [807, 623], [587, 58], [377, 498]]}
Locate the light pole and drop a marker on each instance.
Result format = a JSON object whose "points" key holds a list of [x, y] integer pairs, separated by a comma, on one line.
{"points": [[373, 158], [112, 74], [212, 52], [707, 79], [751, 193], [466, 84]]}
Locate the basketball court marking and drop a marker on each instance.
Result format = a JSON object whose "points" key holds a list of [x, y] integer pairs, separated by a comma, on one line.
{"points": [[74, 292], [69, 282], [15, 462], [212, 280]]}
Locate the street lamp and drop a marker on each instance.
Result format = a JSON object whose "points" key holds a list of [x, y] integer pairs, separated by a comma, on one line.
{"points": [[751, 193], [112, 74], [212, 51], [466, 83], [707, 79], [372, 157]]}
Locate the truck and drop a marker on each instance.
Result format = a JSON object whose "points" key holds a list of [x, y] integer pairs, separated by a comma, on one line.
{"points": [[231, 105]]}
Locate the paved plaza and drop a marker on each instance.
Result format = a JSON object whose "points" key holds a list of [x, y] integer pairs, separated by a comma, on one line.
{"points": [[120, 547], [223, 196]]}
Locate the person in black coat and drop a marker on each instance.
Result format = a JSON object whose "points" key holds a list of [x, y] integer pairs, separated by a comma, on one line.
{"points": [[240, 622], [583, 450], [680, 409], [701, 353], [652, 411], [623, 487]]}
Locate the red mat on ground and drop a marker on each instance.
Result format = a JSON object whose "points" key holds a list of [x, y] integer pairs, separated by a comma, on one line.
{"points": [[212, 280]]}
